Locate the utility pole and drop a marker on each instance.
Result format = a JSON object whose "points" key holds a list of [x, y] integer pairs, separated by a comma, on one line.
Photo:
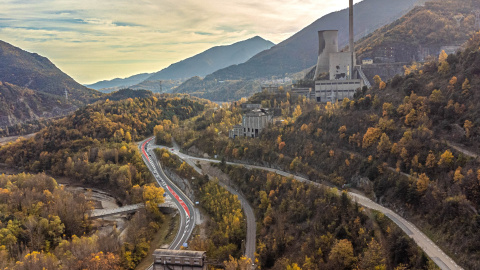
{"points": [[161, 88]]}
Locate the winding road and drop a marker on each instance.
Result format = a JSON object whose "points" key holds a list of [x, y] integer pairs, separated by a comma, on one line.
{"points": [[250, 243], [431, 249], [183, 203]]}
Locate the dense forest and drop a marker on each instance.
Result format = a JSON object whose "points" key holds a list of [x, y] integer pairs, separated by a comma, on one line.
{"points": [[430, 26], [409, 143], [308, 227], [93, 147], [44, 226]]}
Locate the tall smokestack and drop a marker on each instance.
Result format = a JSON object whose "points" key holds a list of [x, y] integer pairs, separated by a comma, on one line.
{"points": [[352, 45]]}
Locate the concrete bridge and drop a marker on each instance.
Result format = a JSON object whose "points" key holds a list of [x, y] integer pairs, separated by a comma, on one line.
{"points": [[98, 213]]}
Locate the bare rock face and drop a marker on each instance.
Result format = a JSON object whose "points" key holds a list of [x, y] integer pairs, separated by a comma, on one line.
{"points": [[19, 105]]}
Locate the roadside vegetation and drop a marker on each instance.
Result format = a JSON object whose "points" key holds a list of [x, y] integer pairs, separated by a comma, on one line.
{"points": [[309, 227], [93, 147], [394, 142], [226, 227]]}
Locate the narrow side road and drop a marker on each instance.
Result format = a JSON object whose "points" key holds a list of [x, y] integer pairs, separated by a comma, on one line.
{"points": [[431, 249]]}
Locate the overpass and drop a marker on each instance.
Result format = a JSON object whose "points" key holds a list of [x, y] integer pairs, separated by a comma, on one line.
{"points": [[98, 213]]}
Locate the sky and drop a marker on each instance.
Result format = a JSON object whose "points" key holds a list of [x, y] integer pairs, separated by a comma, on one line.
{"points": [[93, 40]]}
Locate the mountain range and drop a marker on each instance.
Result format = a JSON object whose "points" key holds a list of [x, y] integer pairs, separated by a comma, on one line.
{"points": [[201, 64], [301, 50], [120, 83], [30, 70], [33, 88]]}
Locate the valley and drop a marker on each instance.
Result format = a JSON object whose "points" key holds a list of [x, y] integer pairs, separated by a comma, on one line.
{"points": [[351, 141]]}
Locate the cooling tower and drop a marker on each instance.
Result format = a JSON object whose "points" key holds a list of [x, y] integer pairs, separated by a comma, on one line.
{"points": [[327, 44]]}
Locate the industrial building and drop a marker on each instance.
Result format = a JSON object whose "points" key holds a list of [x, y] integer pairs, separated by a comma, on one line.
{"points": [[250, 106], [306, 92], [253, 123], [345, 77], [165, 259]]}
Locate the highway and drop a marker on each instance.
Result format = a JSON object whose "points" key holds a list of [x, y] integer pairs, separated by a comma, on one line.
{"points": [[183, 203], [431, 249], [251, 238]]}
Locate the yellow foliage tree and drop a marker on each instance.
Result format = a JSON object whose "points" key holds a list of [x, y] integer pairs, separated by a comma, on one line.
{"points": [[341, 132], [468, 125], [382, 85], [466, 87], [422, 183], [458, 176], [152, 197], [371, 136], [297, 112], [342, 255], [243, 263], [373, 258], [293, 267], [446, 158], [442, 57], [437, 96], [384, 146]]}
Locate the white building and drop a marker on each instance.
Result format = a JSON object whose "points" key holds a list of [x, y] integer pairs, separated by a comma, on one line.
{"points": [[252, 124], [345, 77]]}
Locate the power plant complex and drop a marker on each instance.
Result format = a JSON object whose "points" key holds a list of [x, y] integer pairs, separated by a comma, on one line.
{"points": [[345, 77]]}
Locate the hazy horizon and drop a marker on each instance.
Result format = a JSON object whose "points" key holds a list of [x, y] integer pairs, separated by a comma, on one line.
{"points": [[102, 40]]}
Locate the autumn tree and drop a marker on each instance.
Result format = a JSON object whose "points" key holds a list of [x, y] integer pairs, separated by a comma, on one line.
{"points": [[152, 197], [377, 80], [446, 159], [466, 87], [341, 255], [341, 132], [436, 96], [371, 136], [422, 183], [243, 263], [384, 146], [297, 112], [444, 67], [373, 258], [382, 85], [458, 176], [468, 125]]}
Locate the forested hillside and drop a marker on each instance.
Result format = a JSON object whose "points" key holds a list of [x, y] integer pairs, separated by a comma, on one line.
{"points": [[19, 105], [218, 90], [308, 227], [410, 143], [31, 70], [44, 226], [94, 144], [94, 147], [422, 31], [225, 229], [300, 51]]}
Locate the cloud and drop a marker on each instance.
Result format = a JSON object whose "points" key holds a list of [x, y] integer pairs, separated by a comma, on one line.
{"points": [[95, 40]]}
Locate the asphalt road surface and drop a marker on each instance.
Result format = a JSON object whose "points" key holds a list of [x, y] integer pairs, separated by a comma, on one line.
{"points": [[250, 243], [433, 251], [184, 205]]}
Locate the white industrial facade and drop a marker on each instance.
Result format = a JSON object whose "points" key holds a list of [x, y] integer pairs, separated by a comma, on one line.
{"points": [[333, 90], [253, 123]]}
